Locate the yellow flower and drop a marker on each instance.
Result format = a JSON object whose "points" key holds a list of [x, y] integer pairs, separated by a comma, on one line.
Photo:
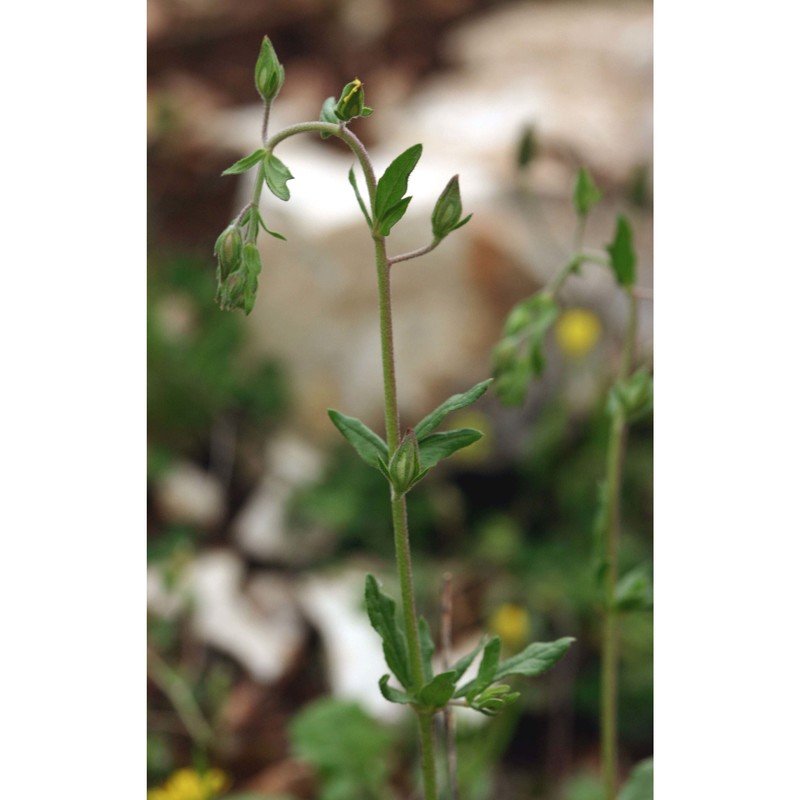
{"points": [[577, 331], [186, 784], [512, 624]]}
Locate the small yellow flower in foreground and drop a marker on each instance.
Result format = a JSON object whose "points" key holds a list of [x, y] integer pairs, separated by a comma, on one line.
{"points": [[577, 331], [512, 624], [186, 784]]}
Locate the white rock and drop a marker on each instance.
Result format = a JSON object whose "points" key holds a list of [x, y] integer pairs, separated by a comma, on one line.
{"points": [[187, 494]]}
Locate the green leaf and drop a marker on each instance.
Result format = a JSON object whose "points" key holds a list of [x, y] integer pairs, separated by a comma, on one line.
{"points": [[277, 174], [634, 591], [327, 114], [366, 442], [534, 659], [437, 692], [394, 182], [351, 176], [528, 148], [486, 670], [586, 194], [381, 611], [436, 446], [263, 225], [427, 647], [454, 403], [639, 785], [391, 694], [633, 396], [622, 254], [463, 663], [393, 216], [246, 163]]}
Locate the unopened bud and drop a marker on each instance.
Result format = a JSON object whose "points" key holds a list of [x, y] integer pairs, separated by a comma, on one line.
{"points": [[351, 102], [269, 72], [404, 467], [228, 250], [447, 211]]}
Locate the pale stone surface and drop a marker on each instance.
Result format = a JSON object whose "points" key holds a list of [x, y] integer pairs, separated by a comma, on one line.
{"points": [[189, 495]]}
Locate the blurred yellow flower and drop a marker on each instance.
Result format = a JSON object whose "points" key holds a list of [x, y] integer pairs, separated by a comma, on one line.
{"points": [[577, 331], [186, 784], [512, 624]]}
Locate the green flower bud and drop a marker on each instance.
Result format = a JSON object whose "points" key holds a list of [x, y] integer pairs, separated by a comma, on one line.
{"points": [[404, 467], [351, 102], [228, 251], [269, 72], [238, 289], [446, 212], [504, 355]]}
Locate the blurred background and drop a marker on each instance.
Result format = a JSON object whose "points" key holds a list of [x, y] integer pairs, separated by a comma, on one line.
{"points": [[261, 522]]}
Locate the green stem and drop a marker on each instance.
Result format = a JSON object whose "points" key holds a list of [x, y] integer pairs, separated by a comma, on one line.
{"points": [[398, 504], [610, 654]]}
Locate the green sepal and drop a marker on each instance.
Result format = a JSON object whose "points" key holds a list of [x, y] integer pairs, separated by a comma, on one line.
{"points": [[404, 465], [535, 659], [276, 175], [269, 74], [327, 114], [427, 647], [246, 163], [639, 785], [455, 403], [492, 700], [351, 176], [437, 692], [394, 182], [391, 694], [393, 216], [367, 443], [585, 194], [381, 612], [436, 446], [622, 254], [351, 102], [447, 211]]}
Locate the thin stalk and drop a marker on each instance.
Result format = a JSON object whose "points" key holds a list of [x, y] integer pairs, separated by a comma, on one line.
{"points": [[610, 643], [420, 251]]}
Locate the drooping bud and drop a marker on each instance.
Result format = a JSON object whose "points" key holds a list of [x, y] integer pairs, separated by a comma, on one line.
{"points": [[238, 289], [351, 102], [228, 251], [447, 211], [404, 466], [269, 72]]}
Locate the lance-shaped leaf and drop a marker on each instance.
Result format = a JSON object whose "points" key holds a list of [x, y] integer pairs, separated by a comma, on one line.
{"points": [[277, 174], [351, 176], [534, 659], [486, 670], [438, 691], [366, 442], [634, 591], [393, 216], [436, 446], [394, 182], [463, 663], [246, 163], [427, 647], [381, 611], [585, 194], [454, 403], [391, 694], [623, 256]]}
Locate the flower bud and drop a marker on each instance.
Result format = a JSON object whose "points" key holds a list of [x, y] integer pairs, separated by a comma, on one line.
{"points": [[351, 102], [447, 211], [228, 250], [404, 466], [269, 72]]}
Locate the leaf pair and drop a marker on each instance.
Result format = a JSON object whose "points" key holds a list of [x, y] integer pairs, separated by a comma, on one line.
{"points": [[421, 447]]}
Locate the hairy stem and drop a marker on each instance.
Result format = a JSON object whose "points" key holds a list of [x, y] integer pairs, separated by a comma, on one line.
{"points": [[610, 645]]}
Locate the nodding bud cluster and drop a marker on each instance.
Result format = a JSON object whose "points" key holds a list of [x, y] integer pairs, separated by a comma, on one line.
{"points": [[238, 267], [493, 700], [446, 215], [404, 467], [351, 102], [269, 72]]}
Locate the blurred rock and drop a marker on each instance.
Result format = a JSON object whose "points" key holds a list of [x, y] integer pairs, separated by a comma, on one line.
{"points": [[186, 494], [260, 528], [261, 627]]}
